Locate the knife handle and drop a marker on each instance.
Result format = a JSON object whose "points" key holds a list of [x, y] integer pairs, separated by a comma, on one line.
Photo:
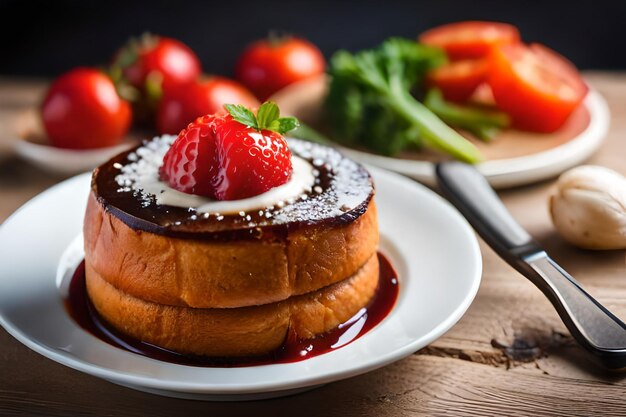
{"points": [[591, 324], [470, 193]]}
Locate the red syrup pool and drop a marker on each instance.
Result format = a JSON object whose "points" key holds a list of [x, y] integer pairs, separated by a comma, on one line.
{"points": [[292, 350]]}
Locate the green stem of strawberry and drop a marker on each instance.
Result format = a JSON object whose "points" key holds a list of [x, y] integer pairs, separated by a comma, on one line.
{"points": [[123, 88], [267, 117], [126, 57], [276, 38]]}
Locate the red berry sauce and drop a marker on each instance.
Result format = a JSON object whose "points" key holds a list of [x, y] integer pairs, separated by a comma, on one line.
{"points": [[293, 350]]}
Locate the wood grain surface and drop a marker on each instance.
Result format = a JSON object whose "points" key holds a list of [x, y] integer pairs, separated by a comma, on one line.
{"points": [[509, 355]]}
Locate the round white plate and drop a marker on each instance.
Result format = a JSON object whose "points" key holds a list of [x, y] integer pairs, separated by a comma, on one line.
{"points": [[432, 247], [510, 172]]}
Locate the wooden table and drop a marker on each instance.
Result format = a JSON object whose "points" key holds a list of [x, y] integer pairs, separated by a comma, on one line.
{"points": [[510, 354]]}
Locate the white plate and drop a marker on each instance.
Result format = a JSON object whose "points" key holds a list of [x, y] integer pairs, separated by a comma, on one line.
{"points": [[66, 161], [432, 247], [510, 172]]}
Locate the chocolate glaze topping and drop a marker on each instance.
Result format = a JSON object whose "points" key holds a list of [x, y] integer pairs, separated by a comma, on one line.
{"points": [[341, 193]]}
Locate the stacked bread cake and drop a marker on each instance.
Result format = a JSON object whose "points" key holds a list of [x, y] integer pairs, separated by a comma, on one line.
{"points": [[231, 278]]}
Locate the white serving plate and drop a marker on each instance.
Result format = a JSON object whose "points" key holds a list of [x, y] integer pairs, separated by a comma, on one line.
{"points": [[432, 247]]}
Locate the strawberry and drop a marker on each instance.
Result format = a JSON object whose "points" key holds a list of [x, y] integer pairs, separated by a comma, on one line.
{"points": [[232, 156], [188, 165]]}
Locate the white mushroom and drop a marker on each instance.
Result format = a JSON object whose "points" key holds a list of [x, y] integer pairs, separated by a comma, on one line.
{"points": [[589, 207]]}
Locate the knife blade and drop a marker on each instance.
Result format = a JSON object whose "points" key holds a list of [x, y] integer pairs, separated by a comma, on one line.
{"points": [[593, 326]]}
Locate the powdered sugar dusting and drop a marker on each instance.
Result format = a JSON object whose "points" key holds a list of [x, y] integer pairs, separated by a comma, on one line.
{"points": [[349, 186]]}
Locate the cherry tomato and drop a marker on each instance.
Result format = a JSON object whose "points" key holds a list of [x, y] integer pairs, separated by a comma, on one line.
{"points": [[165, 59], [536, 86], [268, 65], [82, 110], [182, 105], [459, 79], [471, 39]]}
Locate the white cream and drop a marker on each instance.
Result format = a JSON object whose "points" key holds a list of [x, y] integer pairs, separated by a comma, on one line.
{"points": [[142, 176], [302, 179]]}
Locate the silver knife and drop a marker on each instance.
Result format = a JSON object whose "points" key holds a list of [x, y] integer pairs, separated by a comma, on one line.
{"points": [[592, 325]]}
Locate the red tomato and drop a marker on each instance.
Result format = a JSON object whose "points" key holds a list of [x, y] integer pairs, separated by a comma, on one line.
{"points": [[82, 110], [164, 57], [458, 80], [182, 105], [471, 39], [266, 66], [536, 86]]}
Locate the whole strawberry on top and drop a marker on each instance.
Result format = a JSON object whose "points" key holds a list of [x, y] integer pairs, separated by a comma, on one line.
{"points": [[232, 156]]}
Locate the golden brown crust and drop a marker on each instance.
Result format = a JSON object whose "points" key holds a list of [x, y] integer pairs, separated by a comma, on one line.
{"points": [[242, 331], [206, 274]]}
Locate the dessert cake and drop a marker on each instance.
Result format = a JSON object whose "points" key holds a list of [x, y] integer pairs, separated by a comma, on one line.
{"points": [[229, 278]]}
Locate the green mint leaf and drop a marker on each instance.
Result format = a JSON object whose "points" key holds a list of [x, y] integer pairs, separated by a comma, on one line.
{"points": [[285, 124], [267, 118], [242, 115], [275, 126], [267, 114]]}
